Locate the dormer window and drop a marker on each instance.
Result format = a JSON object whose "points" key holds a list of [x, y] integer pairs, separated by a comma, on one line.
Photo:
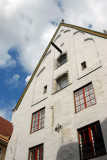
{"points": [[61, 60], [62, 81]]}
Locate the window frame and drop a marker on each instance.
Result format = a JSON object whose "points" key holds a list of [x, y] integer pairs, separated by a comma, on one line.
{"points": [[36, 147], [61, 57], [61, 78], [43, 120], [84, 97], [92, 140]]}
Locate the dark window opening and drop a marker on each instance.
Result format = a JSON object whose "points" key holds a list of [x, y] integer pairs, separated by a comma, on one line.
{"points": [[36, 153], [61, 60], [91, 141], [45, 89], [83, 65]]}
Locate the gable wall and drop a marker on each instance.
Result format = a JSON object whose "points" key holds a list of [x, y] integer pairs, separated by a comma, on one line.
{"points": [[78, 50]]}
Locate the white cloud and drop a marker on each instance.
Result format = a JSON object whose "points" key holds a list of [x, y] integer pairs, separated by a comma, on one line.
{"points": [[6, 109], [14, 79], [26, 25], [27, 79]]}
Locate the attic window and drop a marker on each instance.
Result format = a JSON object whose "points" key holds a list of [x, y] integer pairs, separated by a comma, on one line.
{"points": [[61, 60], [83, 65]]}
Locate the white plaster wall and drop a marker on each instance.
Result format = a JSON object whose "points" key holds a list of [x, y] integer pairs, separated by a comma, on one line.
{"points": [[63, 101]]}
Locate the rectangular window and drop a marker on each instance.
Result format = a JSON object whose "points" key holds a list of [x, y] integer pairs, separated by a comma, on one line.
{"points": [[36, 153], [62, 81], [45, 89], [83, 65], [38, 120], [91, 141], [84, 97]]}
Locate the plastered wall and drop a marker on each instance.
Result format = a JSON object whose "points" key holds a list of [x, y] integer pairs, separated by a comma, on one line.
{"points": [[62, 145]]}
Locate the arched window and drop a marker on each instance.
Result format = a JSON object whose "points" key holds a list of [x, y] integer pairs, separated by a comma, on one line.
{"points": [[62, 81], [61, 60]]}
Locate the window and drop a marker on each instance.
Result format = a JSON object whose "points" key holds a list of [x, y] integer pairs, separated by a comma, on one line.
{"points": [[61, 60], [36, 153], [83, 65], [62, 81], [84, 97], [38, 120], [45, 89], [91, 141]]}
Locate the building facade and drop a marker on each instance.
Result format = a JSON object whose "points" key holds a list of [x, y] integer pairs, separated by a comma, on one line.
{"points": [[62, 113]]}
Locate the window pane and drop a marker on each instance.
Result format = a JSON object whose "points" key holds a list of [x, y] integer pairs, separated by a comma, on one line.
{"points": [[38, 119], [63, 82], [36, 153], [85, 96], [91, 141], [82, 106], [62, 59]]}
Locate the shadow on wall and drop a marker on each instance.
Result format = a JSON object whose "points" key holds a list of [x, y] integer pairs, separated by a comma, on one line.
{"points": [[70, 150], [66, 152]]}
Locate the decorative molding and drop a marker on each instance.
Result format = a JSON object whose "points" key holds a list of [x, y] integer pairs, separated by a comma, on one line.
{"points": [[39, 101], [67, 31], [89, 39], [57, 37], [78, 32], [41, 71]]}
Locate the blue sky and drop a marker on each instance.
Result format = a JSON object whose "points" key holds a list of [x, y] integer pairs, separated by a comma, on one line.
{"points": [[25, 30]]}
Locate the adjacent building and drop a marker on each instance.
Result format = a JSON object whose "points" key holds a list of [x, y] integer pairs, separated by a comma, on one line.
{"points": [[62, 113], [5, 134]]}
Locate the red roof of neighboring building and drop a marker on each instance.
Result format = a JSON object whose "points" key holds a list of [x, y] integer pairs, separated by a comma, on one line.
{"points": [[6, 128]]}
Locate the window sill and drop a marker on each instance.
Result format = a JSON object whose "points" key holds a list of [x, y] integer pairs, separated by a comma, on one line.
{"points": [[61, 65], [61, 89], [37, 130]]}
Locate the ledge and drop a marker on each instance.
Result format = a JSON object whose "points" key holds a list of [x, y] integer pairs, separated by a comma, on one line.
{"points": [[61, 89], [89, 72], [39, 102]]}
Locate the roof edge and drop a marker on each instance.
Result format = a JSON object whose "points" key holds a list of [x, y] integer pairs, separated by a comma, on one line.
{"points": [[96, 33], [36, 69]]}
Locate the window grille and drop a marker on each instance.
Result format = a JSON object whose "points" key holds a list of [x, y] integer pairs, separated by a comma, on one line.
{"points": [[84, 97], [91, 141], [36, 153], [38, 120]]}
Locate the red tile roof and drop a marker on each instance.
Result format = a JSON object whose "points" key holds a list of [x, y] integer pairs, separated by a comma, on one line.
{"points": [[6, 128]]}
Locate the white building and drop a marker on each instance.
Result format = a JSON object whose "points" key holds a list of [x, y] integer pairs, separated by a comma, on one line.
{"points": [[62, 113]]}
